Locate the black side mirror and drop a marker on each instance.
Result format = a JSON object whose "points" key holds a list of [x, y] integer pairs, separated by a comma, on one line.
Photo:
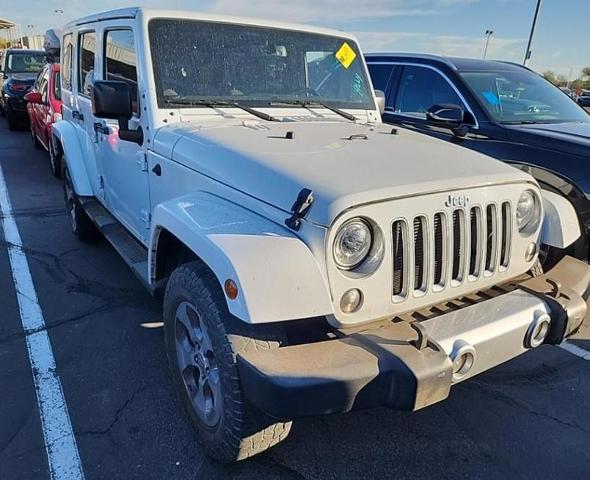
{"points": [[448, 115], [112, 99]]}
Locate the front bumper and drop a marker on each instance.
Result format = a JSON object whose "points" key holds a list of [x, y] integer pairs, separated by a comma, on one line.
{"points": [[409, 366]]}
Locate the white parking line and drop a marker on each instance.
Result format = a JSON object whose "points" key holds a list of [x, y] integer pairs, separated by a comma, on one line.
{"points": [[60, 443], [575, 350]]}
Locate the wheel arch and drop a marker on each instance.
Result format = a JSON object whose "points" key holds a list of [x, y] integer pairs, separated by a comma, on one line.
{"points": [[66, 141], [574, 192], [277, 275]]}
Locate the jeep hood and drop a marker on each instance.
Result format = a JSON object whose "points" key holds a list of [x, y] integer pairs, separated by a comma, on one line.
{"points": [[343, 163]]}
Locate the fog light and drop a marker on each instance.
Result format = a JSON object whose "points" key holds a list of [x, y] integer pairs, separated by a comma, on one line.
{"points": [[463, 357], [351, 300], [530, 252], [538, 330]]}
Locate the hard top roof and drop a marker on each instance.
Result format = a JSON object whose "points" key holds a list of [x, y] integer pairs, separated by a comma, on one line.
{"points": [[148, 14]]}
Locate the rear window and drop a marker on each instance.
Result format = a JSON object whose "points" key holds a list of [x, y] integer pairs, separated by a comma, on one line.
{"points": [[25, 62]]}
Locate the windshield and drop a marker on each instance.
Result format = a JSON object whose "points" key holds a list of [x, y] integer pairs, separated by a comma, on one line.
{"points": [[25, 62], [523, 97], [255, 66]]}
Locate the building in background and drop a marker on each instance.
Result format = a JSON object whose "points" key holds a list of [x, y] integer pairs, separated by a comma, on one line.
{"points": [[11, 35]]}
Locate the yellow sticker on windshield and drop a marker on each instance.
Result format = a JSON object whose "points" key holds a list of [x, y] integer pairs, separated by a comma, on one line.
{"points": [[345, 55]]}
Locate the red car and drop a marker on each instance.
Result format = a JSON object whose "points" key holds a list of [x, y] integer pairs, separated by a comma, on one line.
{"points": [[44, 107]]}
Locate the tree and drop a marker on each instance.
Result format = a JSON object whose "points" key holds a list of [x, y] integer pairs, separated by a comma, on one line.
{"points": [[3, 43], [586, 72], [550, 76]]}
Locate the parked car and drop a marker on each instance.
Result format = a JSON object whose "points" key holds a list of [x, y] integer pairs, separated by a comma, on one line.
{"points": [[569, 92], [501, 109], [584, 99], [18, 70], [308, 255], [44, 107]]}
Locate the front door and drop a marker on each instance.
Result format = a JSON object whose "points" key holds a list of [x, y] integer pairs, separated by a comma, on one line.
{"points": [[123, 163], [41, 110], [421, 87]]}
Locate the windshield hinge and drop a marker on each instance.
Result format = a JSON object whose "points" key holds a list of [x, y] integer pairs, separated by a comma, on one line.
{"points": [[299, 209], [142, 161]]}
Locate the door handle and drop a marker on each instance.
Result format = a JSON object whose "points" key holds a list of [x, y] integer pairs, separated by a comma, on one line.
{"points": [[100, 128], [157, 170], [77, 115]]}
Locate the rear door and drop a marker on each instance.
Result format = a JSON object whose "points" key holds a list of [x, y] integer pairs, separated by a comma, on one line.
{"points": [[79, 111]]}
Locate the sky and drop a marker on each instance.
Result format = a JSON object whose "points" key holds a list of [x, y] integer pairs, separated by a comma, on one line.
{"points": [[444, 27]]}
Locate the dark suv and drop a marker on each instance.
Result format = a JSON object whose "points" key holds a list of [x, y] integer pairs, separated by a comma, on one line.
{"points": [[500, 109], [18, 70]]}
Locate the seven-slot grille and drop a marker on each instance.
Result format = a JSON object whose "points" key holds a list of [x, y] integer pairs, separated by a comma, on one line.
{"points": [[448, 248]]}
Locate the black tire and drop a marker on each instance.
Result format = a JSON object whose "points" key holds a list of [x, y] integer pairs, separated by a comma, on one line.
{"points": [[232, 429], [35, 140], [54, 160], [82, 226], [12, 120]]}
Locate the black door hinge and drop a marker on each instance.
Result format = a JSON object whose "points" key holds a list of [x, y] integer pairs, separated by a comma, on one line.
{"points": [[299, 209]]}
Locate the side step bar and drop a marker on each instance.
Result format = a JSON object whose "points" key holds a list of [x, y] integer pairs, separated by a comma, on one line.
{"points": [[133, 252]]}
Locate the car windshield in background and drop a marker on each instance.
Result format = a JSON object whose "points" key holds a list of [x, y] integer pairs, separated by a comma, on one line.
{"points": [[25, 62], [523, 97], [255, 66]]}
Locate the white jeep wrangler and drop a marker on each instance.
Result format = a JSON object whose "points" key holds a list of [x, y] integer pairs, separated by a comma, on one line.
{"points": [[312, 260]]}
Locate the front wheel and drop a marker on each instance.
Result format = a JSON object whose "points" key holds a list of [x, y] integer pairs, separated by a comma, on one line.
{"points": [[82, 226], [202, 341]]}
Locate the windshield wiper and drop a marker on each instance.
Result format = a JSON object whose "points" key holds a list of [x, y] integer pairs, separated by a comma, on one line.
{"points": [[315, 103], [221, 103]]}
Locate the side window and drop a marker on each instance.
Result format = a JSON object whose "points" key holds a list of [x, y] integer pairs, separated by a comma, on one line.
{"points": [[42, 87], [420, 88], [67, 61], [121, 61], [380, 75], [57, 86], [86, 55]]}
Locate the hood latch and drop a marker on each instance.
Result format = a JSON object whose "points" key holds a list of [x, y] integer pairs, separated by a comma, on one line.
{"points": [[299, 209]]}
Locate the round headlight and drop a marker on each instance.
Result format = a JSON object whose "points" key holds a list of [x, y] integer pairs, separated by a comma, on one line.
{"points": [[352, 243], [528, 212]]}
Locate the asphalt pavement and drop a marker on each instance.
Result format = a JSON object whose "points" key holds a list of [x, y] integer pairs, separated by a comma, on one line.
{"points": [[525, 419]]}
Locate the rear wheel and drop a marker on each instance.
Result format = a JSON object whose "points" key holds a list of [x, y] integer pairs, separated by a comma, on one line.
{"points": [[82, 226], [54, 160], [203, 341]]}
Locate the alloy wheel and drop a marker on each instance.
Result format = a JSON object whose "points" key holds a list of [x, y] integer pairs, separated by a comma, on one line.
{"points": [[197, 364]]}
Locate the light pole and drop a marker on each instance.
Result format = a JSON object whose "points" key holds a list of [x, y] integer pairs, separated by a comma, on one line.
{"points": [[488, 34], [527, 54]]}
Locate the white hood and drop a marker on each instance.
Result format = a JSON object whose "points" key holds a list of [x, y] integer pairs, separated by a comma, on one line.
{"points": [[342, 171]]}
